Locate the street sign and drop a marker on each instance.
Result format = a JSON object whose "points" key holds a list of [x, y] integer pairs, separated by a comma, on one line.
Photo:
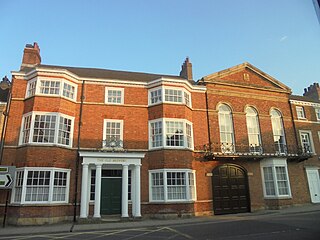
{"points": [[7, 176]]}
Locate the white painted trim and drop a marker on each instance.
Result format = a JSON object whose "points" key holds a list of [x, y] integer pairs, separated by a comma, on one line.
{"points": [[58, 115], [51, 185], [115, 89], [164, 171], [164, 132], [305, 103], [310, 138], [273, 163]]}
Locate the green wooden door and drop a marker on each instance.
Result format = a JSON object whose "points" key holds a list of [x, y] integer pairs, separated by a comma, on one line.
{"points": [[111, 196]]}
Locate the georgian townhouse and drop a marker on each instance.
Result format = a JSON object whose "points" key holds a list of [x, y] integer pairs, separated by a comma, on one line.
{"points": [[306, 115], [88, 143], [252, 149]]}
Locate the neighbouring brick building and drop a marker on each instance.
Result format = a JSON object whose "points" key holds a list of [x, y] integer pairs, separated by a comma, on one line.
{"points": [[94, 142], [306, 115]]}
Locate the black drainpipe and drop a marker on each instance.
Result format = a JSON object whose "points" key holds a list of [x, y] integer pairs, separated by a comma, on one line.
{"points": [[78, 159]]}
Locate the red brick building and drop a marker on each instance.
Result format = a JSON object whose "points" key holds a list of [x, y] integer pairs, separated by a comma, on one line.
{"points": [[95, 142], [306, 114]]}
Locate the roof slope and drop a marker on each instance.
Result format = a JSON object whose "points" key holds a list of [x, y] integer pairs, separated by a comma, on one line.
{"points": [[106, 73]]}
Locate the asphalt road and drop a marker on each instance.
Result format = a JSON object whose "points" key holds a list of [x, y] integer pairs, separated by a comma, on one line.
{"points": [[297, 226]]}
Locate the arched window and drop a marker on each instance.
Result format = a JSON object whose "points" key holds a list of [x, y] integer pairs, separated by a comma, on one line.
{"points": [[226, 129], [278, 131], [253, 128]]}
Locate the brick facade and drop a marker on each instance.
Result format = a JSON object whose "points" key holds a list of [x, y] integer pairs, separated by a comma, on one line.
{"points": [[238, 87]]}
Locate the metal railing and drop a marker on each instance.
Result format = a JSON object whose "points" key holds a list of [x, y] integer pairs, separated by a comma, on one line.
{"points": [[276, 149], [112, 143]]}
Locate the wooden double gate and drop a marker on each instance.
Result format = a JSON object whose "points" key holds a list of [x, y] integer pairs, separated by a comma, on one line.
{"points": [[230, 189]]}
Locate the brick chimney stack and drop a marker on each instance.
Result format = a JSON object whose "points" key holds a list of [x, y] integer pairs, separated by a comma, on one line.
{"points": [[313, 91], [31, 55], [186, 70]]}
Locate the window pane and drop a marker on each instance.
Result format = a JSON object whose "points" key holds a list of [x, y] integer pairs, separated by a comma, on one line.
{"points": [[37, 188]]}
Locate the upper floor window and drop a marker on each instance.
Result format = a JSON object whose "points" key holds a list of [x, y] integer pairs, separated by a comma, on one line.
{"points": [[226, 128], [44, 128], [278, 131], [253, 130], [317, 110], [113, 133], [306, 141], [170, 133], [300, 112], [114, 95], [170, 185], [53, 87], [41, 185], [169, 95]]}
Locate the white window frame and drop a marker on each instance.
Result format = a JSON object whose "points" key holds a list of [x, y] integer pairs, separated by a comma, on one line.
{"points": [[190, 189], [226, 146], [255, 133], [278, 132], [56, 128], [274, 164], [309, 134], [37, 91], [188, 140], [300, 112], [51, 185], [185, 96], [121, 90], [317, 111], [105, 121], [153, 100]]}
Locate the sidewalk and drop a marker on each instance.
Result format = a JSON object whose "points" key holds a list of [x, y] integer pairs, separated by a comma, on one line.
{"points": [[66, 227]]}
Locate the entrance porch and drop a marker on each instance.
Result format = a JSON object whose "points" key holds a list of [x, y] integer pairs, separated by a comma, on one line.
{"points": [[111, 183]]}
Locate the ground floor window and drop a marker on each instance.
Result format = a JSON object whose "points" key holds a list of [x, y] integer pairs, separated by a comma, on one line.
{"points": [[168, 185], [275, 178], [41, 185]]}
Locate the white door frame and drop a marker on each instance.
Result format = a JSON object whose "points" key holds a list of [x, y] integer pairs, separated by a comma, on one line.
{"points": [[314, 183]]}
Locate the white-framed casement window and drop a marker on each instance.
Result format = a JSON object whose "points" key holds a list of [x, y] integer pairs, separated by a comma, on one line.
{"points": [[170, 133], [169, 95], [278, 131], [113, 133], [226, 129], [52, 87], [253, 129], [172, 185], [306, 141], [41, 185], [317, 111], [300, 112], [114, 95], [275, 178], [47, 128]]}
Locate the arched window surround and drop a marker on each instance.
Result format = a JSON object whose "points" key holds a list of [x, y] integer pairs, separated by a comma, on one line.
{"points": [[278, 131], [253, 129], [226, 128]]}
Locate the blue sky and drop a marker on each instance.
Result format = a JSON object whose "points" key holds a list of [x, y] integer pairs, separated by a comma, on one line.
{"points": [[280, 37]]}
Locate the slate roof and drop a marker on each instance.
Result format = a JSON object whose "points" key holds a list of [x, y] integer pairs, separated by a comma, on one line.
{"points": [[107, 74], [303, 98]]}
